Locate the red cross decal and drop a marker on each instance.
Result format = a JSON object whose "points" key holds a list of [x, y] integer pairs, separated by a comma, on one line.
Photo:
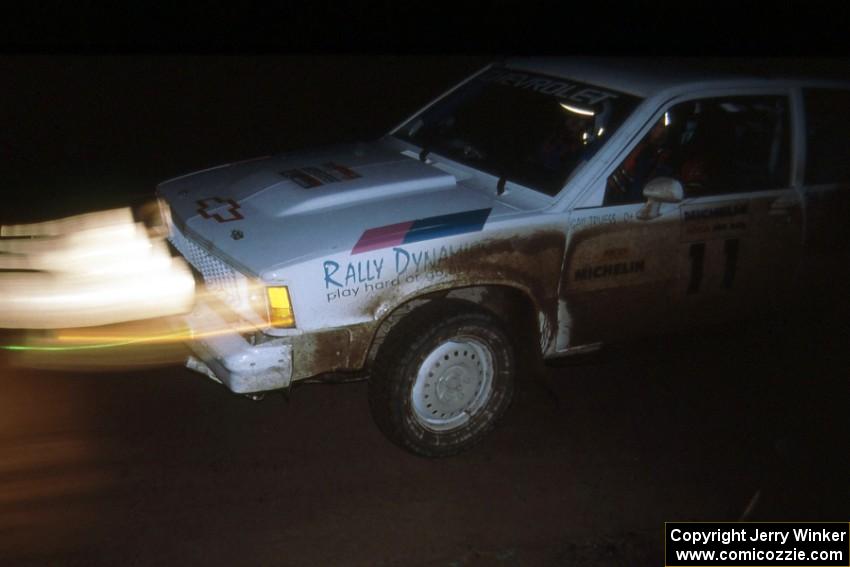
{"points": [[214, 202]]}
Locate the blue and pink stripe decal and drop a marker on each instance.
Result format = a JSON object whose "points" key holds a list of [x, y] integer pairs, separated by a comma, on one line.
{"points": [[422, 229]]}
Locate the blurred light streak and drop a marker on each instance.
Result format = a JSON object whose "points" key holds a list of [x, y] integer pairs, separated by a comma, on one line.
{"points": [[69, 342], [114, 347], [89, 270]]}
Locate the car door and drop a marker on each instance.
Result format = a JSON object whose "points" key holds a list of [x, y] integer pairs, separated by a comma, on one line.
{"points": [[731, 243], [620, 269], [619, 273]]}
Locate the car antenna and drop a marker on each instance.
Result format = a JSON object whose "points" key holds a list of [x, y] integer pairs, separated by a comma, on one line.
{"points": [[500, 185], [423, 155]]}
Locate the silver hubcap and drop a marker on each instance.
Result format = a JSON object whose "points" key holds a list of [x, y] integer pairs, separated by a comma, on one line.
{"points": [[454, 381]]}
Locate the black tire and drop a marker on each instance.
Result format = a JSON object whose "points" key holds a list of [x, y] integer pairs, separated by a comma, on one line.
{"points": [[473, 397]]}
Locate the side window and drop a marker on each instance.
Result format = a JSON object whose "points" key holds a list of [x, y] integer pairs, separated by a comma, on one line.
{"points": [[827, 136], [712, 146]]}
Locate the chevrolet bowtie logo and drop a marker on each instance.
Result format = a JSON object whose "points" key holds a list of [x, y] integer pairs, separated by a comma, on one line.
{"points": [[231, 214]]}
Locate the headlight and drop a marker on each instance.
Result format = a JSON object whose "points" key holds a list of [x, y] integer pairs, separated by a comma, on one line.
{"points": [[280, 307]]}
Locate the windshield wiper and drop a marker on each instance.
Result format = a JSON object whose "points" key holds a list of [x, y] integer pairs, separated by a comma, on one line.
{"points": [[500, 185]]}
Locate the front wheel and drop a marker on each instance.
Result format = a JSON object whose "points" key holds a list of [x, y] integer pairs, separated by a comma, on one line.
{"points": [[442, 378]]}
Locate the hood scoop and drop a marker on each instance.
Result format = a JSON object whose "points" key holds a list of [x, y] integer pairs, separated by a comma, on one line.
{"points": [[330, 185]]}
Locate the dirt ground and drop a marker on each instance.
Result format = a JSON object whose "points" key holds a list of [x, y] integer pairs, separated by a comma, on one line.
{"points": [[164, 466]]}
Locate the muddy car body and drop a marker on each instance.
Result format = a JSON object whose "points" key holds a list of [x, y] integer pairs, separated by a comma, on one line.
{"points": [[538, 198]]}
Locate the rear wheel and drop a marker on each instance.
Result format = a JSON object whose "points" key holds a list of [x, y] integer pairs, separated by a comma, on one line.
{"points": [[442, 378]]}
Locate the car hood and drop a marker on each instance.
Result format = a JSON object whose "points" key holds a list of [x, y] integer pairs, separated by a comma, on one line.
{"points": [[267, 213]]}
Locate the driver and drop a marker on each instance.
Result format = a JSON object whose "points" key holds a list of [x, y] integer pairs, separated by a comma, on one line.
{"points": [[564, 143], [652, 157]]}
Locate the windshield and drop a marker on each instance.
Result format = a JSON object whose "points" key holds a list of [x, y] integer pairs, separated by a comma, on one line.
{"points": [[531, 129]]}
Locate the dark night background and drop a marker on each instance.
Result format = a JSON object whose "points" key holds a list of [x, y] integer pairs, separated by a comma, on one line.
{"points": [[89, 131], [162, 466]]}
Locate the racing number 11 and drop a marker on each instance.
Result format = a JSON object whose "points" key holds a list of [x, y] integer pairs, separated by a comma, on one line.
{"points": [[697, 256]]}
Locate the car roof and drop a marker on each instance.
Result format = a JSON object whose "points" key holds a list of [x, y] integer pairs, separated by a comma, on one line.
{"points": [[645, 77]]}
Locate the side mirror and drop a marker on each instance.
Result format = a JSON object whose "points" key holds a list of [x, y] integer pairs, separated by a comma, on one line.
{"points": [[664, 190], [657, 191]]}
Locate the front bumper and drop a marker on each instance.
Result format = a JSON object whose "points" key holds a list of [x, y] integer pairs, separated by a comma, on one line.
{"points": [[226, 356]]}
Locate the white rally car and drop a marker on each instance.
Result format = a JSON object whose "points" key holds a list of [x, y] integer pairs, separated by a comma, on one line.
{"points": [[543, 203]]}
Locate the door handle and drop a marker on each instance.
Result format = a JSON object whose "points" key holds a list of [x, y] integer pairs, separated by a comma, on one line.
{"points": [[785, 211]]}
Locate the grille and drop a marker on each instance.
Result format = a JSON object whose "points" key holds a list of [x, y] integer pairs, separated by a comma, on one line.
{"points": [[226, 283]]}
